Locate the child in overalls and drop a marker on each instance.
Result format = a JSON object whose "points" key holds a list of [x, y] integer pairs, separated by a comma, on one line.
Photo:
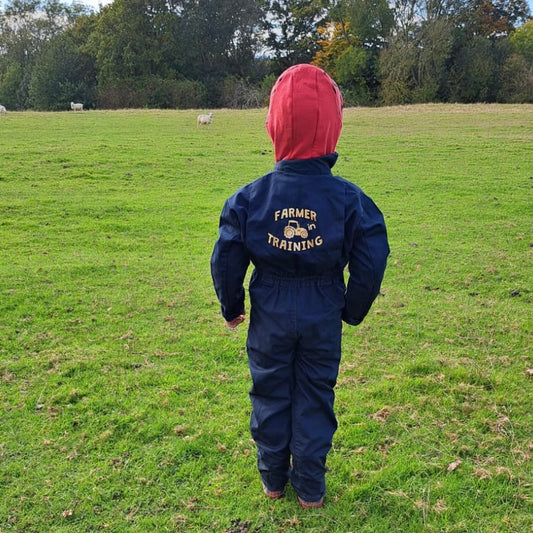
{"points": [[299, 226]]}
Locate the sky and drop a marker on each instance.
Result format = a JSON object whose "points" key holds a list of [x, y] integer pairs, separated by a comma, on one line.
{"points": [[95, 4]]}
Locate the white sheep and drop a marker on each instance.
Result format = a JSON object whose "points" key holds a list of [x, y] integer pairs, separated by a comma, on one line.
{"points": [[3, 110], [204, 120], [76, 107]]}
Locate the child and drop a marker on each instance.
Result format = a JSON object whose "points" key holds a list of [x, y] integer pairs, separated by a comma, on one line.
{"points": [[299, 226]]}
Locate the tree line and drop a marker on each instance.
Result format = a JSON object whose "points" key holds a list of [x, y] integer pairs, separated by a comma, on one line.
{"points": [[228, 53]]}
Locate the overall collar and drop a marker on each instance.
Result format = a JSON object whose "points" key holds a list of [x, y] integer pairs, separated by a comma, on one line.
{"points": [[316, 165]]}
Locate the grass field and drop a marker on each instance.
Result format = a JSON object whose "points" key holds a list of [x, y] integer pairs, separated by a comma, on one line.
{"points": [[124, 400]]}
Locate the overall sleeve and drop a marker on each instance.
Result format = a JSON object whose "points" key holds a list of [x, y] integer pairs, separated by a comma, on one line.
{"points": [[367, 260], [229, 260]]}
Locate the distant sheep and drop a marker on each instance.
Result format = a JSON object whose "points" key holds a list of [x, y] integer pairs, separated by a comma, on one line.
{"points": [[3, 110], [76, 107], [204, 120]]}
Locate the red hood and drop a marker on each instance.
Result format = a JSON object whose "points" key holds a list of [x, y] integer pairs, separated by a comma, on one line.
{"points": [[305, 114]]}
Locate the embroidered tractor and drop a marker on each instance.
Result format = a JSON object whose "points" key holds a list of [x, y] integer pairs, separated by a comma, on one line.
{"points": [[293, 228]]}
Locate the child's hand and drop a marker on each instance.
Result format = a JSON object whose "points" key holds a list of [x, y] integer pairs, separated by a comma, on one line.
{"points": [[236, 321]]}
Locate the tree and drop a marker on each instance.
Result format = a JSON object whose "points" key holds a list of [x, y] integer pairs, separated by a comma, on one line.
{"points": [[414, 66], [497, 18], [123, 42], [220, 37], [518, 69], [481, 68], [517, 83], [13, 85], [472, 76], [370, 20], [187, 53], [396, 65], [145, 45], [292, 31], [350, 46], [335, 39], [522, 41], [62, 73], [342, 55], [438, 51], [26, 27]]}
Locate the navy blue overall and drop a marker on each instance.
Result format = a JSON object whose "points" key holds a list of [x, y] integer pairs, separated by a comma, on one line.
{"points": [[299, 226]]}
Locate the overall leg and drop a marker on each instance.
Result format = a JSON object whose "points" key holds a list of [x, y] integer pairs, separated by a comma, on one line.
{"points": [[270, 357], [316, 370]]}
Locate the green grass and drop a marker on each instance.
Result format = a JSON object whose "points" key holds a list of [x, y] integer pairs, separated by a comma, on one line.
{"points": [[124, 399]]}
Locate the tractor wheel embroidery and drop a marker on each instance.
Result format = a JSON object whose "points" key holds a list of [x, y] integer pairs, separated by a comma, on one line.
{"points": [[293, 228]]}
